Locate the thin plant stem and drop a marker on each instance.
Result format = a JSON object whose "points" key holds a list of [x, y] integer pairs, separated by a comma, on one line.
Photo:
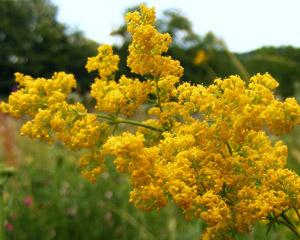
{"points": [[229, 148], [5, 173], [290, 227], [159, 101], [158, 95], [210, 71], [288, 223], [297, 212], [286, 218], [132, 122], [132, 221], [99, 115], [2, 217], [236, 62], [114, 120]]}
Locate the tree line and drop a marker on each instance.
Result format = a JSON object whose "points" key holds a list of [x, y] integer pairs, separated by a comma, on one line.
{"points": [[34, 42]]}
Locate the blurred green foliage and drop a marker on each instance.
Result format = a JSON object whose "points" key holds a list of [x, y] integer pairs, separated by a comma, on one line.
{"points": [[32, 41], [48, 199], [282, 62]]}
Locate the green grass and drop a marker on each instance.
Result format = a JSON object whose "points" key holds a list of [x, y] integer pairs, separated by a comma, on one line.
{"points": [[66, 206]]}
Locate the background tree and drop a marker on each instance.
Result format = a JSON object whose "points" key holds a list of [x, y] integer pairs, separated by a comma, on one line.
{"points": [[34, 42], [214, 59], [282, 62]]}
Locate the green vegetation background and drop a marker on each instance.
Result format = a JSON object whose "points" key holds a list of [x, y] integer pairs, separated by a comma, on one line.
{"points": [[47, 198], [32, 41]]}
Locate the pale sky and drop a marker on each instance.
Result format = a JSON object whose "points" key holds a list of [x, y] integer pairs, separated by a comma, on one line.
{"points": [[243, 24]]}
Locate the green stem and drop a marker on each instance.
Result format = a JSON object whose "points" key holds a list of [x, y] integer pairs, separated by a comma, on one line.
{"points": [[229, 148], [115, 120], [5, 173], [159, 102], [132, 122], [158, 95], [286, 218], [2, 217], [99, 115], [290, 227], [236, 62], [289, 224], [210, 71], [132, 221]]}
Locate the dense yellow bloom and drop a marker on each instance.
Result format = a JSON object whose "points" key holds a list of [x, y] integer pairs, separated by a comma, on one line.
{"points": [[148, 45], [133, 157], [216, 214], [124, 97], [92, 164], [210, 150], [167, 87], [35, 94], [106, 63]]}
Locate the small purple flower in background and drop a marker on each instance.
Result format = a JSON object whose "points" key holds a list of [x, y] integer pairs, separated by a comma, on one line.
{"points": [[9, 226], [14, 89], [28, 201]]}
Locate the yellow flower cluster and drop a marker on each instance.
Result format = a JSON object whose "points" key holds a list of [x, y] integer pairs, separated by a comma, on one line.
{"points": [[133, 158], [92, 164], [211, 150], [124, 97], [36, 94], [148, 45], [106, 63]]}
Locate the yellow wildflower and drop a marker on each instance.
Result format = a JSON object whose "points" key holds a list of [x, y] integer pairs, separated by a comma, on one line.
{"points": [[201, 57]]}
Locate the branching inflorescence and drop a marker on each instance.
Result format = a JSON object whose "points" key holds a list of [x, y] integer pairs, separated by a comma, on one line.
{"points": [[207, 149]]}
